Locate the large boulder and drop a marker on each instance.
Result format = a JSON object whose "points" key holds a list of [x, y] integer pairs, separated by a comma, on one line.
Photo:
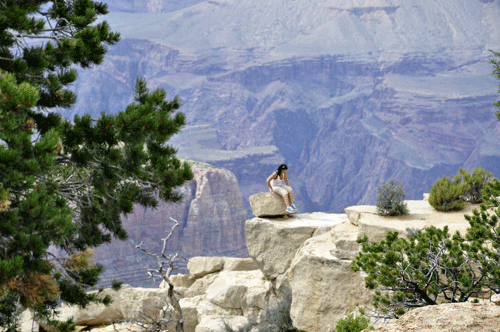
{"points": [[447, 317], [421, 215], [183, 281], [267, 205], [272, 243], [323, 285]]}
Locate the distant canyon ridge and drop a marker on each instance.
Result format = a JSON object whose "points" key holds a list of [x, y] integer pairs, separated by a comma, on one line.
{"points": [[347, 93]]}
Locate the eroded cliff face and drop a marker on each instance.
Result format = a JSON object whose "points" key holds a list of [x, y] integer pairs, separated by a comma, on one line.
{"points": [[211, 222], [350, 93]]}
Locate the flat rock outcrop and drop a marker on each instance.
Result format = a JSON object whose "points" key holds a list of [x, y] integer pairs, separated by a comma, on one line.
{"points": [[447, 318], [273, 243], [421, 215], [211, 223]]}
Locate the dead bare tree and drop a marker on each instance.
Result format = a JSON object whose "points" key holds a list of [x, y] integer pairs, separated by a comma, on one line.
{"points": [[170, 316]]}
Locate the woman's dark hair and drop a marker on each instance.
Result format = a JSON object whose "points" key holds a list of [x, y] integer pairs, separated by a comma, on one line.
{"points": [[281, 168]]}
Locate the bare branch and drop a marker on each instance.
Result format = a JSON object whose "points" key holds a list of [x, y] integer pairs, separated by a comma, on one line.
{"points": [[173, 307]]}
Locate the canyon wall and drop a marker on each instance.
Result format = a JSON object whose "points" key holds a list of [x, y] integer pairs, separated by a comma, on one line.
{"points": [[349, 93]]}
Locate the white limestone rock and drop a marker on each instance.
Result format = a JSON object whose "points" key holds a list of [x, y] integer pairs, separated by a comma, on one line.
{"points": [[211, 324], [239, 290], [197, 309], [323, 286], [267, 205], [272, 243], [120, 327], [27, 322], [189, 308], [345, 236], [201, 266], [199, 287], [239, 264]]}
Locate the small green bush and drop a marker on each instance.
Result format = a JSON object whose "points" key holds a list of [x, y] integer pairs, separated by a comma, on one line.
{"points": [[446, 195], [477, 180], [451, 195], [390, 199], [352, 324]]}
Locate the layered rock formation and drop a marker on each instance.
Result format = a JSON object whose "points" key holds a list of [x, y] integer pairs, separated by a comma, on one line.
{"points": [[211, 218], [351, 93]]}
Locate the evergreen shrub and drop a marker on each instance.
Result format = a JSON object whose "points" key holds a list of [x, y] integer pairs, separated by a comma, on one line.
{"points": [[447, 195], [477, 180], [390, 199], [352, 324], [450, 195]]}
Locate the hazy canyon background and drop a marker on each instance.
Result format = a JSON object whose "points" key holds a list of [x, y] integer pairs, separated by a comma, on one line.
{"points": [[347, 93]]}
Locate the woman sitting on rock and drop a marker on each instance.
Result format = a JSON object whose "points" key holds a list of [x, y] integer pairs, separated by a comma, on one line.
{"points": [[275, 184]]}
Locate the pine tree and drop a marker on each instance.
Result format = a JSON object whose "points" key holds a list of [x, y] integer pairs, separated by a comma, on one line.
{"points": [[65, 184]]}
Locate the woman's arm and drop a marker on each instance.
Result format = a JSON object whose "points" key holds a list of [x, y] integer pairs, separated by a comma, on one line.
{"points": [[268, 181]]}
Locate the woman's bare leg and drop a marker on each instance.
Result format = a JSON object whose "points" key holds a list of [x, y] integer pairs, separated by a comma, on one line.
{"points": [[285, 198], [292, 201]]}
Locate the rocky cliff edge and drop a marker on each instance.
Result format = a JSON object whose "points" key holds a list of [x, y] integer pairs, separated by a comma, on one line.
{"points": [[310, 256]]}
